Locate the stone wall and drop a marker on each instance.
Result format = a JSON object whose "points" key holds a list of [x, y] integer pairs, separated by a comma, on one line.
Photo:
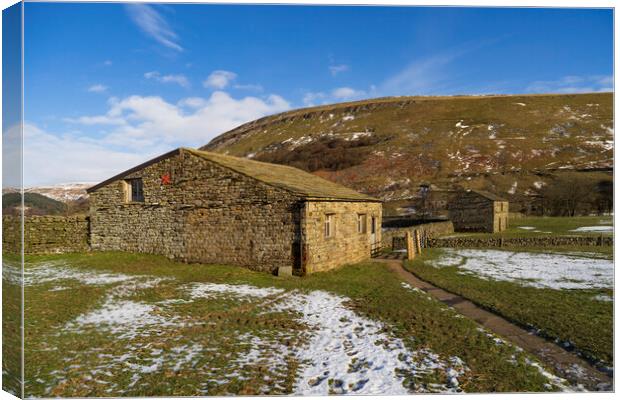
{"points": [[207, 213], [46, 234], [427, 231], [346, 245], [471, 212], [523, 241]]}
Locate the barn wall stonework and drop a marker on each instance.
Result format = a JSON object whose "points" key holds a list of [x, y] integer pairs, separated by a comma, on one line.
{"points": [[211, 214], [207, 213], [346, 245]]}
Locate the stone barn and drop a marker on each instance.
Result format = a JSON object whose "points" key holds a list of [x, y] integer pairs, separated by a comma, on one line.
{"points": [[478, 211], [198, 206]]}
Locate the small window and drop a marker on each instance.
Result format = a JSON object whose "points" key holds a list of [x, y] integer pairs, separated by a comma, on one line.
{"points": [[373, 225], [361, 223], [329, 225], [134, 190]]}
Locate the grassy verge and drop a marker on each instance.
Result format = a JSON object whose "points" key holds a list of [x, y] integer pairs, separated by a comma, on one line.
{"points": [[80, 356], [569, 315], [11, 321]]}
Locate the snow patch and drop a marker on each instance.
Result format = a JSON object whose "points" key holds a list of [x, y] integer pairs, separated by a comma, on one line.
{"points": [[58, 271], [600, 228], [603, 297], [213, 290], [555, 271], [348, 353]]}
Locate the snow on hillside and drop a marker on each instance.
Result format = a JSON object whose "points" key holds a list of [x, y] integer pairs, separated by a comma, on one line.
{"points": [[62, 191]]}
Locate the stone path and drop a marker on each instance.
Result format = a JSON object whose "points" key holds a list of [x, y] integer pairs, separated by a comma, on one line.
{"points": [[566, 364]]}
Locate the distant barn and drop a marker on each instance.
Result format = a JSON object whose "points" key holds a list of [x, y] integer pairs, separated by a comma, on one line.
{"points": [[478, 211], [198, 206]]}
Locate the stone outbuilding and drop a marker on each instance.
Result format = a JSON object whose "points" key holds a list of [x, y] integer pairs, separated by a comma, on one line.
{"points": [[199, 206], [478, 211]]}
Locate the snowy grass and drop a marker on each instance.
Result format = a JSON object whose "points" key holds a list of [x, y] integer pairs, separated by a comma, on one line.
{"points": [[136, 325], [555, 271], [603, 228], [561, 296]]}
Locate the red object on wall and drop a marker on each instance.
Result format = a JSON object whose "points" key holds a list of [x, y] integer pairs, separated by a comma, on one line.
{"points": [[165, 179]]}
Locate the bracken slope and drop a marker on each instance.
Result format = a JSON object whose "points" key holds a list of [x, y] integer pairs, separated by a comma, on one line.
{"points": [[387, 147]]}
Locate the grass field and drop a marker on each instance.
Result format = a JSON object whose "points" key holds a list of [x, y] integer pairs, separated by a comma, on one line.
{"points": [[112, 324], [553, 226], [564, 296]]}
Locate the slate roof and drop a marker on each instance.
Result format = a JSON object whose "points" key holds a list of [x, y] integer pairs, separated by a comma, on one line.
{"points": [[292, 179], [488, 195]]}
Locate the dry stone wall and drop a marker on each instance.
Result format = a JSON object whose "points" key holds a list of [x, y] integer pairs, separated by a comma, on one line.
{"points": [[346, 245], [46, 234], [395, 238], [207, 213], [523, 241]]}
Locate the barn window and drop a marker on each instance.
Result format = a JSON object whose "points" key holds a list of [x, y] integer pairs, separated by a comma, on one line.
{"points": [[361, 223], [135, 190], [329, 225]]}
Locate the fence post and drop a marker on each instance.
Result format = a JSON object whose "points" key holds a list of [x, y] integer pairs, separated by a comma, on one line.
{"points": [[416, 236], [410, 250]]}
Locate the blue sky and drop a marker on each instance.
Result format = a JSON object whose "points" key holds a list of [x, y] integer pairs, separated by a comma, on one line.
{"points": [[109, 85]]}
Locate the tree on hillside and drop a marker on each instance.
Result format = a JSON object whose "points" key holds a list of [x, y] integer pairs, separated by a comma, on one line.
{"points": [[570, 194]]}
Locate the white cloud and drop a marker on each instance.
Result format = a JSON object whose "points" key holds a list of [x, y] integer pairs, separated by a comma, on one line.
{"points": [[154, 25], [573, 84], [179, 79], [219, 79], [107, 63], [133, 130], [336, 69], [193, 102], [11, 156], [335, 95], [346, 93], [51, 158], [98, 88], [249, 86], [139, 121], [311, 98]]}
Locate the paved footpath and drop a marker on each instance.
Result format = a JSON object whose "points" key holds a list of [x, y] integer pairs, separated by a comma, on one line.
{"points": [[566, 364]]}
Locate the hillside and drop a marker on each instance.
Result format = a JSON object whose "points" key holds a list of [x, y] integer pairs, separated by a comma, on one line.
{"points": [[34, 204], [510, 145]]}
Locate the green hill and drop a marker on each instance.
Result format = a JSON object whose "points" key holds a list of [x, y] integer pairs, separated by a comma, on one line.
{"points": [[510, 145], [35, 204]]}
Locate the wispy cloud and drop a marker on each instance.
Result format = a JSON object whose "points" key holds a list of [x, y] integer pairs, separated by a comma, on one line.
{"points": [[336, 69], [107, 63], [98, 88], [179, 79], [335, 95], [154, 25], [425, 75], [219, 79], [573, 84], [432, 74]]}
